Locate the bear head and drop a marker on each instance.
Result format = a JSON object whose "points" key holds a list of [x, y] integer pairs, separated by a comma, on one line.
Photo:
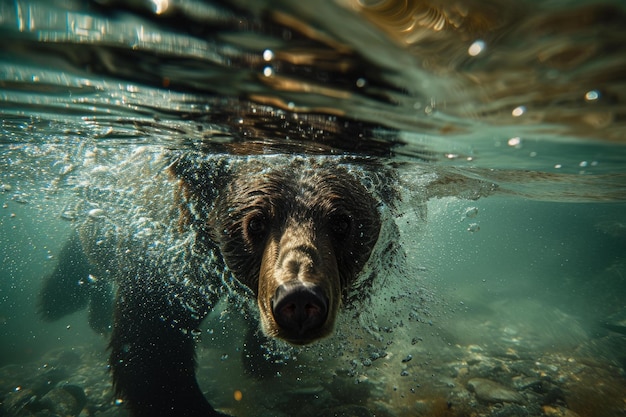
{"points": [[297, 236]]}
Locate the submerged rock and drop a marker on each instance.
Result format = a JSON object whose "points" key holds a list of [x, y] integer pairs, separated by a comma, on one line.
{"points": [[350, 410], [492, 392], [557, 411], [16, 402], [67, 400]]}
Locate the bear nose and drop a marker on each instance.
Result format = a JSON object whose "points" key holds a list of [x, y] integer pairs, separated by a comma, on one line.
{"points": [[299, 308]]}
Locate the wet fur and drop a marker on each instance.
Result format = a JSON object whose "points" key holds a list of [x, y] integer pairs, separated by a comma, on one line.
{"points": [[244, 220]]}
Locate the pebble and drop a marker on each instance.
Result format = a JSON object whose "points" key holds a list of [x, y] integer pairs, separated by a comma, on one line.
{"points": [[472, 381], [558, 411], [493, 392]]}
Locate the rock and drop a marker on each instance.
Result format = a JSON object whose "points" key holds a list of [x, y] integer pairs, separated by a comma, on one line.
{"points": [[349, 410], [67, 400], [492, 392], [16, 402], [306, 391], [557, 411], [514, 410], [68, 358], [50, 377], [528, 383], [553, 394]]}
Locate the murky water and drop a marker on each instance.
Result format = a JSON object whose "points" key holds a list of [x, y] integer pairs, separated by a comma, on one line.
{"points": [[502, 128]]}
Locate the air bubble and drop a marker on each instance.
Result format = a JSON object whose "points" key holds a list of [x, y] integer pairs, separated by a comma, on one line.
{"points": [[476, 48], [474, 227], [518, 111], [515, 142], [471, 212], [592, 95], [68, 215], [160, 6], [96, 213], [268, 55]]}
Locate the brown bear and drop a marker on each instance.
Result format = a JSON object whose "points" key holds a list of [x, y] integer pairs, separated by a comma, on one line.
{"points": [[292, 232]]}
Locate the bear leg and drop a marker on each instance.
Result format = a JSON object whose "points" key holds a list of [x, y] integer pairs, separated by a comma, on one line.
{"points": [[152, 355], [101, 307], [66, 289]]}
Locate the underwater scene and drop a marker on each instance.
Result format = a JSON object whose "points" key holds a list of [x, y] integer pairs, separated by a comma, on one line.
{"points": [[327, 208]]}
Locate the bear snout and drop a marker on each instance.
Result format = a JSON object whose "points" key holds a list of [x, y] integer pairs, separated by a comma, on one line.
{"points": [[299, 309], [299, 286]]}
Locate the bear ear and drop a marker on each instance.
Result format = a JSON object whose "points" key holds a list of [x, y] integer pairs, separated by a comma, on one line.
{"points": [[182, 169], [199, 180], [203, 175], [179, 171]]}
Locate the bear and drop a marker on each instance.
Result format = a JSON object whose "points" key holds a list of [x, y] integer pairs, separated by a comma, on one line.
{"points": [[171, 236]]}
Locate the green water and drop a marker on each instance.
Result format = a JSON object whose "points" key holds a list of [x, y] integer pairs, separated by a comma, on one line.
{"points": [[510, 169]]}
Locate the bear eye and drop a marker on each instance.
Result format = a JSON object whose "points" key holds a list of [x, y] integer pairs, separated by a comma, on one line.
{"points": [[340, 226], [256, 226]]}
